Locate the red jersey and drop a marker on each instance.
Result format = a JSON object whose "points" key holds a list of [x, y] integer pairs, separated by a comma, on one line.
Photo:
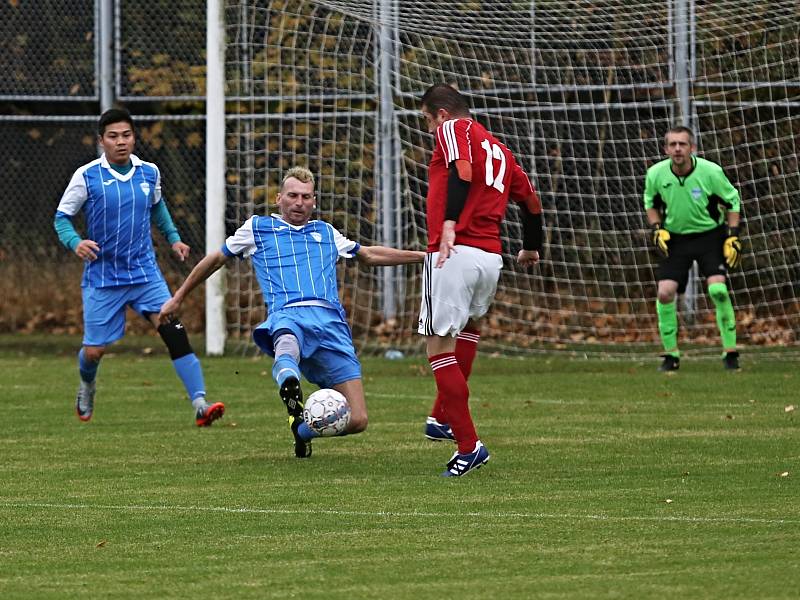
{"points": [[496, 177]]}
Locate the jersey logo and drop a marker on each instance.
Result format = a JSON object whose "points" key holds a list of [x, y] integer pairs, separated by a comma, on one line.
{"points": [[280, 228], [697, 193], [145, 188], [666, 185], [317, 236], [109, 182]]}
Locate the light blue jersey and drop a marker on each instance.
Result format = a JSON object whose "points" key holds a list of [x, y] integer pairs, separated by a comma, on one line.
{"points": [[117, 211], [293, 264]]}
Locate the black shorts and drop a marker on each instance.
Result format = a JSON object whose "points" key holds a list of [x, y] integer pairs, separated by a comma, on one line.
{"points": [[684, 249]]}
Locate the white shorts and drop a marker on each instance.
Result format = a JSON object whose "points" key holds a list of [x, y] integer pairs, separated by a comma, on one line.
{"points": [[461, 290]]}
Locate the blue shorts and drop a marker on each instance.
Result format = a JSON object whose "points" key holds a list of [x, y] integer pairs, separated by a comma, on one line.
{"points": [[327, 356], [104, 309]]}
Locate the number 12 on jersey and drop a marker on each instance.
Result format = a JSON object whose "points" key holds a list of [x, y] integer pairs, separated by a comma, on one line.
{"points": [[493, 152]]}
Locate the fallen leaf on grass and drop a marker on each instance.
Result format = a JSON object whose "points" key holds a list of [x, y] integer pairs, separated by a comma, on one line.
{"points": [[418, 370], [101, 544], [784, 474], [789, 408], [668, 501]]}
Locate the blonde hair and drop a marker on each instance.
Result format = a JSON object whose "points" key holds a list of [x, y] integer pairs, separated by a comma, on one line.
{"points": [[302, 174]]}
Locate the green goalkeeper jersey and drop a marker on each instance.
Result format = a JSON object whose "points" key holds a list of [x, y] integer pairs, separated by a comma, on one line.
{"points": [[692, 204]]}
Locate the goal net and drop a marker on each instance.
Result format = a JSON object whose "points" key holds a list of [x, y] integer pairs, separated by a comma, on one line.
{"points": [[582, 92]]}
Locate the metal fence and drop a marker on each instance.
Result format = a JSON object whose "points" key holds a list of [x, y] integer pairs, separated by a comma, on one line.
{"points": [[63, 61]]}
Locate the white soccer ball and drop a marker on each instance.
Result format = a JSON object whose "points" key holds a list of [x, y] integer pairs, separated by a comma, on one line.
{"points": [[327, 412]]}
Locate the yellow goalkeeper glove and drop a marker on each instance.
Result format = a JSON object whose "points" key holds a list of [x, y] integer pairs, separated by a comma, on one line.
{"points": [[661, 238], [732, 248]]}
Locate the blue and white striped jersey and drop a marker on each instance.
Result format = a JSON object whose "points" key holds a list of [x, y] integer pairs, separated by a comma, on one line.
{"points": [[117, 211], [293, 264]]}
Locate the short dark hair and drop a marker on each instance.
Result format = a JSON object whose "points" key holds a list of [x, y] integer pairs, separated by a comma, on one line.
{"points": [[114, 115], [680, 129], [447, 97]]}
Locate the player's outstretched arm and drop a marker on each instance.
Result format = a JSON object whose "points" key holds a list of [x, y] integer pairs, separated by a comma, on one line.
{"points": [[202, 271], [383, 256]]}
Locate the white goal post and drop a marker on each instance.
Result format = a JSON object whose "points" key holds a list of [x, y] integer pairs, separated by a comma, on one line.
{"points": [[582, 92], [215, 173]]}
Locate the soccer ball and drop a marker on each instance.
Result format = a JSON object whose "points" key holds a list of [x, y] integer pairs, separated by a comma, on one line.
{"points": [[327, 412]]}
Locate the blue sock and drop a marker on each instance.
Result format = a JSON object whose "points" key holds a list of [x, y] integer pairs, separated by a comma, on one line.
{"points": [[86, 368], [191, 373], [305, 432], [285, 366]]}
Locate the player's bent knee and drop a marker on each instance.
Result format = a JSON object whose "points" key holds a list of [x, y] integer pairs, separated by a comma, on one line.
{"points": [[286, 343], [666, 297], [358, 423], [718, 293], [176, 339], [93, 353]]}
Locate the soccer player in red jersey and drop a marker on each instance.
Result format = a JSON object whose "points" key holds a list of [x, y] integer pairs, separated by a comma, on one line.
{"points": [[471, 178]]}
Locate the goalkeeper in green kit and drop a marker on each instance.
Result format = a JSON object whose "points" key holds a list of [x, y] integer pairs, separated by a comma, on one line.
{"points": [[694, 212]]}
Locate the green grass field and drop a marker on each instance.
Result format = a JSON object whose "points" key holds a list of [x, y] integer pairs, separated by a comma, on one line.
{"points": [[607, 480]]}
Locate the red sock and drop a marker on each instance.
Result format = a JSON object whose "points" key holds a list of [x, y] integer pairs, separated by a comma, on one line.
{"points": [[466, 348], [437, 412], [452, 388]]}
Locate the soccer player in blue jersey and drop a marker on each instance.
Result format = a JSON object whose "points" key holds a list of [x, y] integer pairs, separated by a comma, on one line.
{"points": [[120, 194], [294, 258]]}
